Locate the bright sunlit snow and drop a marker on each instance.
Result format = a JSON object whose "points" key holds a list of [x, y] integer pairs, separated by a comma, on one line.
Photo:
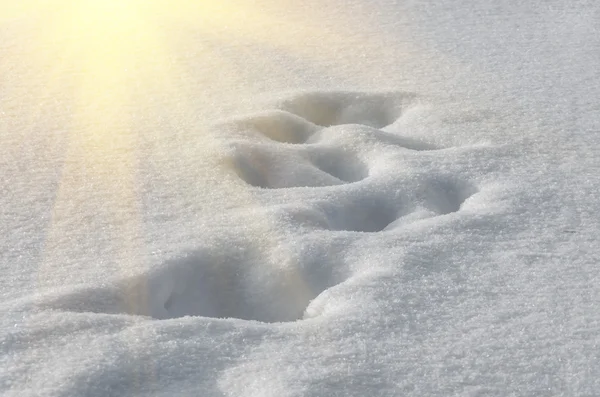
{"points": [[316, 198]]}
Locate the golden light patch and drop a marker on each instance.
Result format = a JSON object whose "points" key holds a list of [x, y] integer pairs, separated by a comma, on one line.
{"points": [[115, 52], [111, 59]]}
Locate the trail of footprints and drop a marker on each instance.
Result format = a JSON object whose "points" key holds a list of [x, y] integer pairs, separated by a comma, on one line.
{"points": [[319, 143], [331, 139]]}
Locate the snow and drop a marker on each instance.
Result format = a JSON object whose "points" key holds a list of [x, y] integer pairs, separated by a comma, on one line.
{"points": [[264, 198]]}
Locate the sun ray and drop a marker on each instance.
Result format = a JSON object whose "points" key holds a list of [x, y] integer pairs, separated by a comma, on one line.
{"points": [[115, 62], [120, 62]]}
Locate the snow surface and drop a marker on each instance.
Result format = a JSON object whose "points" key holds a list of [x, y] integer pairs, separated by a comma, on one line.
{"points": [[277, 198]]}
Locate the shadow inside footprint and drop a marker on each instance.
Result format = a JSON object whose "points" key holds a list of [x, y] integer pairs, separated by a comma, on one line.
{"points": [[279, 126], [370, 212], [445, 195], [340, 164], [334, 108], [366, 214], [276, 169]]}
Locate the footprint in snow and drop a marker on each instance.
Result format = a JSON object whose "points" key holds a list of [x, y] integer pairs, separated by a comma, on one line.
{"points": [[318, 139], [244, 284]]}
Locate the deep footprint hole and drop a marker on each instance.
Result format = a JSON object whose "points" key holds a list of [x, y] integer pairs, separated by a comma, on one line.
{"points": [[225, 286], [345, 166], [280, 126], [445, 195], [275, 169], [249, 288], [368, 214]]}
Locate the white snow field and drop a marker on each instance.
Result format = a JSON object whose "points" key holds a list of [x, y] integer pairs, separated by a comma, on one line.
{"points": [[315, 198]]}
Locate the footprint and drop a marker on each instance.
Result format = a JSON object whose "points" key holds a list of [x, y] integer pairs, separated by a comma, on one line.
{"points": [[279, 126], [326, 117], [383, 210], [327, 109], [444, 195], [368, 213], [341, 164], [265, 167], [222, 283]]}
